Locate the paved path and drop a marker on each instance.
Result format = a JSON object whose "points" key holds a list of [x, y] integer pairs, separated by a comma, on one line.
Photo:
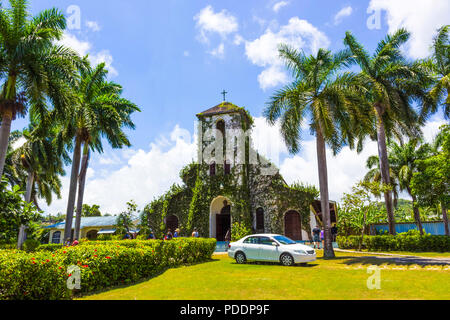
{"points": [[402, 259]]}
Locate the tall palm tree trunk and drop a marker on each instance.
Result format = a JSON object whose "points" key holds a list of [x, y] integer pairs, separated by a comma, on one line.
{"points": [[30, 181], [81, 184], [5, 131], [328, 252], [445, 219], [416, 212], [384, 167], [73, 189]]}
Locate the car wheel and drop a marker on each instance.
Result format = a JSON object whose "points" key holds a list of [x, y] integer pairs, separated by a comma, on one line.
{"points": [[287, 260], [240, 258]]}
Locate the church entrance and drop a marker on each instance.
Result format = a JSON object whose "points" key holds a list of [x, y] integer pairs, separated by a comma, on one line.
{"points": [[220, 218], [293, 225], [171, 223]]}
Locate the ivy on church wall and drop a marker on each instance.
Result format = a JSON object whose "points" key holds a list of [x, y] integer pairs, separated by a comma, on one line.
{"points": [[244, 187]]}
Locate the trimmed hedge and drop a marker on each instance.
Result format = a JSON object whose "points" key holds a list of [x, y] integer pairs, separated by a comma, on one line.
{"points": [[402, 242], [43, 275]]}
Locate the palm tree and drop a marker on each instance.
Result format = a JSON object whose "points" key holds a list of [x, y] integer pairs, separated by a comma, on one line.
{"points": [[439, 64], [402, 157], [32, 69], [332, 103], [39, 165], [374, 175], [100, 112], [392, 85]]}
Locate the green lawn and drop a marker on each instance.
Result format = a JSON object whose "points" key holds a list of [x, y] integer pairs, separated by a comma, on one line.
{"points": [[342, 278]]}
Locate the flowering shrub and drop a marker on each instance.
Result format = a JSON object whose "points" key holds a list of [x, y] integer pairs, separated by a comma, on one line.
{"points": [[49, 247], [43, 274]]}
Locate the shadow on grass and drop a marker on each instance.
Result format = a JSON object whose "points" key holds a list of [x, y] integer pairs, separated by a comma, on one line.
{"points": [[127, 285], [399, 261], [268, 263]]}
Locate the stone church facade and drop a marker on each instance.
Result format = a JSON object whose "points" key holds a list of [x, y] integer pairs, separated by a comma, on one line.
{"points": [[232, 187]]}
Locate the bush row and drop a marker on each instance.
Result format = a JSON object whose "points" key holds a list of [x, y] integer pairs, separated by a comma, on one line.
{"points": [[43, 275], [401, 242]]}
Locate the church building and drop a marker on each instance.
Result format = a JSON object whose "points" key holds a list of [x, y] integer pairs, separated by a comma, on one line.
{"points": [[232, 187]]}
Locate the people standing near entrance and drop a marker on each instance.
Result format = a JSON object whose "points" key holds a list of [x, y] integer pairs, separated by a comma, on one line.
{"points": [[176, 234], [151, 236], [169, 235], [195, 233], [227, 239], [316, 237], [68, 243]]}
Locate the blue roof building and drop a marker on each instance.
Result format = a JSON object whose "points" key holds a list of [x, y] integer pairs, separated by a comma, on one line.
{"points": [[90, 228]]}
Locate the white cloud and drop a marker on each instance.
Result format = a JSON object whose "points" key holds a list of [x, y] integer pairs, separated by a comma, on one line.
{"points": [[146, 174], [263, 51], [259, 21], [218, 52], [277, 6], [344, 12], [209, 22], [106, 57], [71, 41], [19, 143], [421, 18], [93, 25], [85, 47], [238, 39]]}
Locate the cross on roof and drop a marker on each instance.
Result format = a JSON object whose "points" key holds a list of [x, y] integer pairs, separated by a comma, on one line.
{"points": [[224, 93]]}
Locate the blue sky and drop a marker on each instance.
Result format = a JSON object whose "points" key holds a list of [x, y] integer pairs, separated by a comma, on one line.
{"points": [[173, 59]]}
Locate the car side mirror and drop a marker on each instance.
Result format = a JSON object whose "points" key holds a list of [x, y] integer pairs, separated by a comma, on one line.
{"points": [[275, 244]]}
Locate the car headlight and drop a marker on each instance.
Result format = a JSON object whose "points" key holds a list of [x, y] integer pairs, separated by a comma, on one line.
{"points": [[300, 251]]}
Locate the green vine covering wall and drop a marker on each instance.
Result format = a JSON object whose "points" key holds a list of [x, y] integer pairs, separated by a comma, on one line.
{"points": [[245, 187]]}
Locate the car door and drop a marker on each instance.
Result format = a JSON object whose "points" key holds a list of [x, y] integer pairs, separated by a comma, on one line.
{"points": [[267, 250], [251, 248]]}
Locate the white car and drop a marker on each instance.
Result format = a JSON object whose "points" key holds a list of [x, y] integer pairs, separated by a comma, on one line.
{"points": [[270, 247]]}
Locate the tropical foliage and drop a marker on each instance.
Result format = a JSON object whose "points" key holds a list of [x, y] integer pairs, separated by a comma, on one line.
{"points": [[45, 274], [33, 70], [358, 210], [14, 212], [332, 103], [392, 83]]}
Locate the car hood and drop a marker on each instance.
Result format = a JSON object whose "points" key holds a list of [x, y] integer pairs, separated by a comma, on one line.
{"points": [[297, 247]]}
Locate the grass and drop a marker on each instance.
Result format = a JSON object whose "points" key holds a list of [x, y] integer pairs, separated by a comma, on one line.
{"points": [[342, 278]]}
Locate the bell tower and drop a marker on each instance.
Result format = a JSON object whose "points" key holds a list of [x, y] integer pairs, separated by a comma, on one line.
{"points": [[222, 131]]}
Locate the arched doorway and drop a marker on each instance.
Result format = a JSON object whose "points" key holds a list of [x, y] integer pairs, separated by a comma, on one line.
{"points": [[220, 218], [91, 235], [259, 220], [293, 225], [172, 222]]}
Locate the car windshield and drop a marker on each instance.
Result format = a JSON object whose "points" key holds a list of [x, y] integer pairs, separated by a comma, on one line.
{"points": [[284, 240]]}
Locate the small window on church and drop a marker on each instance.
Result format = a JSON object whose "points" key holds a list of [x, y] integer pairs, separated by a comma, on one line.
{"points": [[212, 169], [221, 127], [227, 167]]}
